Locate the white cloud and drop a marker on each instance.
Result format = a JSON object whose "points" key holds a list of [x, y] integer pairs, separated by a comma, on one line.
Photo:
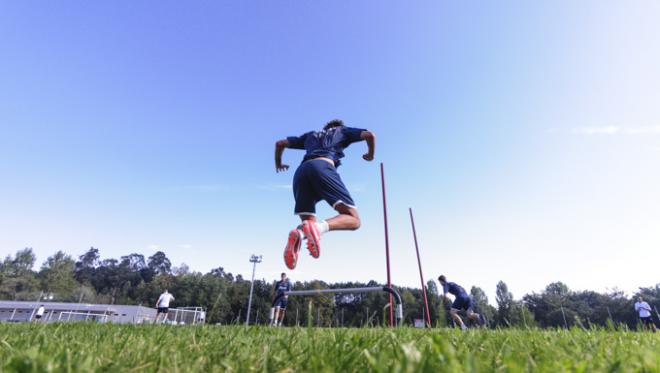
{"points": [[221, 188], [648, 130], [357, 188], [204, 188], [614, 130], [275, 187], [154, 247], [607, 130]]}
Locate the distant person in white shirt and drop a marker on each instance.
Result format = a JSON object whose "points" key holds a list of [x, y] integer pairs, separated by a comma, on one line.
{"points": [[40, 313], [163, 305], [644, 313]]}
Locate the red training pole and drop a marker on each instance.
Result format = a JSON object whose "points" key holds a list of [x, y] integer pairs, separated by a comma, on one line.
{"points": [[387, 241], [419, 264]]}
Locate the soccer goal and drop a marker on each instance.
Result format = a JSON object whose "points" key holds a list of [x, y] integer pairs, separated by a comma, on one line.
{"points": [[186, 315], [82, 316]]}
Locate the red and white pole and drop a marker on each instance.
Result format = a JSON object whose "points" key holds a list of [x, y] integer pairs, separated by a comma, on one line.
{"points": [[421, 276], [387, 241]]}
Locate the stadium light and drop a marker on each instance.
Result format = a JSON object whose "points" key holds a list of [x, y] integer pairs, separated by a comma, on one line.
{"points": [[254, 259]]}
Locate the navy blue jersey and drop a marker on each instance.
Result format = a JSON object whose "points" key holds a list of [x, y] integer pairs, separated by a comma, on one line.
{"points": [[328, 143], [282, 286], [455, 289]]}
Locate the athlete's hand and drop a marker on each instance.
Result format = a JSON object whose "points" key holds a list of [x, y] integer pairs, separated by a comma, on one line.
{"points": [[368, 157], [281, 168]]}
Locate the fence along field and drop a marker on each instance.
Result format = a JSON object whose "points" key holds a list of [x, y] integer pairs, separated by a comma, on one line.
{"points": [[108, 347]]}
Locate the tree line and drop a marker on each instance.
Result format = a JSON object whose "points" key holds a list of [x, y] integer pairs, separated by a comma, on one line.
{"points": [[134, 279]]}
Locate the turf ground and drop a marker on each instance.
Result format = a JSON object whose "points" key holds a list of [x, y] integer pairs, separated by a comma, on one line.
{"points": [[113, 348]]}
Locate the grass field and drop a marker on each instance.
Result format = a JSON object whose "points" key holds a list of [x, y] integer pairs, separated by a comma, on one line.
{"points": [[90, 347]]}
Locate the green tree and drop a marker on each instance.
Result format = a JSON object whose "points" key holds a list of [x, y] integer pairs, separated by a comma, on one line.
{"points": [[553, 307], [85, 268], [17, 279], [481, 302], [436, 305], [57, 276], [160, 264], [504, 300]]}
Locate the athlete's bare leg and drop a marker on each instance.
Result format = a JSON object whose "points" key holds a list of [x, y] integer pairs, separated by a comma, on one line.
{"points": [[311, 218], [457, 319], [472, 315], [348, 219]]}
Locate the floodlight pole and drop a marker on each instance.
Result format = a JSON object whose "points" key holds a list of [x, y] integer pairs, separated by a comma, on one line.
{"points": [[387, 241], [419, 264], [254, 259]]}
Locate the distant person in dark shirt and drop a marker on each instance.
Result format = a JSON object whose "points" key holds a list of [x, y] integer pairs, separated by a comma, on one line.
{"points": [[317, 179], [280, 301], [462, 301]]}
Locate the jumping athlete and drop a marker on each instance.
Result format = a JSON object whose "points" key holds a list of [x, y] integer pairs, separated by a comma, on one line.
{"points": [[317, 179], [280, 301], [462, 301]]}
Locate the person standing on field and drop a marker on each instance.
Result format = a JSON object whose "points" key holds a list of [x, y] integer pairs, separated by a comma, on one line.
{"points": [[163, 305], [644, 311], [280, 301], [317, 179], [40, 313]]}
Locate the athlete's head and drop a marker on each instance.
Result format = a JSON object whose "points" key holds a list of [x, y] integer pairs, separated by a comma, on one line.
{"points": [[283, 276], [442, 279], [639, 299], [333, 123]]}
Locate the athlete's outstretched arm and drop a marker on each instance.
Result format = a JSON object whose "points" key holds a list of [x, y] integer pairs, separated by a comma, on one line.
{"points": [[279, 149], [371, 144]]}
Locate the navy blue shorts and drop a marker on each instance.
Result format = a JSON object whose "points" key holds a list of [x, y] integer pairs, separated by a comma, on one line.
{"points": [[281, 302], [648, 321], [463, 303], [317, 180]]}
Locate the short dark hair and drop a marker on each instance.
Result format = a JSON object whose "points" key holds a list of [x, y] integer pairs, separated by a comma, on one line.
{"points": [[333, 123], [283, 274], [442, 278]]}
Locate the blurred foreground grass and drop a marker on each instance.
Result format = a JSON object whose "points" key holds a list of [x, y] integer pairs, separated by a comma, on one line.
{"points": [[114, 348]]}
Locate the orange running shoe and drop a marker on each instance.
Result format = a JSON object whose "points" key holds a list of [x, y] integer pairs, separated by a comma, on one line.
{"points": [[292, 248], [313, 238]]}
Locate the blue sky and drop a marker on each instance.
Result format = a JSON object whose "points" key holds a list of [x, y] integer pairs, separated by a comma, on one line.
{"points": [[526, 136]]}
